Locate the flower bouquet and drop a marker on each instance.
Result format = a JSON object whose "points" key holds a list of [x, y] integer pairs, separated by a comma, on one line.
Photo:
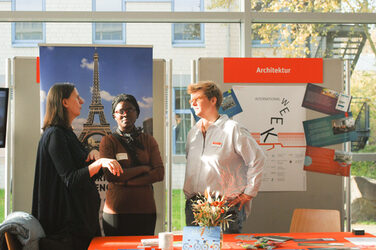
{"points": [[210, 210]]}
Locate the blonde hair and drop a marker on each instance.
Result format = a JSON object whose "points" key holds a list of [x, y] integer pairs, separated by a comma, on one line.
{"points": [[210, 90]]}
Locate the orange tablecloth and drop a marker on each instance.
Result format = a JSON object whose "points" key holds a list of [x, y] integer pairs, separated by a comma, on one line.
{"points": [[229, 241]]}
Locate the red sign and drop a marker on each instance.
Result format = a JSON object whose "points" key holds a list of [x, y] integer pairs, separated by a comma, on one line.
{"points": [[273, 70], [38, 70]]}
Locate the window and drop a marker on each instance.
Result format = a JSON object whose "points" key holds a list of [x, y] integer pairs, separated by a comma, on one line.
{"points": [[188, 34], [257, 38], [182, 119], [26, 34], [181, 124], [109, 33]]}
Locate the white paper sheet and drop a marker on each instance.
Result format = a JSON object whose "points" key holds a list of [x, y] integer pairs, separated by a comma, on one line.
{"points": [[362, 241], [274, 116]]}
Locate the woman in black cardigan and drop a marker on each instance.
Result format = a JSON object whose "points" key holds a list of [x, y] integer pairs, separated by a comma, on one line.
{"points": [[65, 198]]}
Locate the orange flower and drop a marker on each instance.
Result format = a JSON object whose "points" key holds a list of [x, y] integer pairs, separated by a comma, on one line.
{"points": [[215, 203]]}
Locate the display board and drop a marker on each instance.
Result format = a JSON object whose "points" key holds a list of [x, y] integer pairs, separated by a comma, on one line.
{"points": [[272, 210], [26, 131], [279, 132]]}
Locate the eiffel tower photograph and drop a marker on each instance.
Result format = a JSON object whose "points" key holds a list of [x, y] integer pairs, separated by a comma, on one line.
{"points": [[99, 73], [93, 132]]}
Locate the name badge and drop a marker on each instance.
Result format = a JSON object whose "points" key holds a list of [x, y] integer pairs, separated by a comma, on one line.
{"points": [[217, 144], [121, 156]]}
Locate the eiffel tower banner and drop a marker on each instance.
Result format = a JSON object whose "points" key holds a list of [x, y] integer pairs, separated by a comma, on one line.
{"points": [[99, 73]]}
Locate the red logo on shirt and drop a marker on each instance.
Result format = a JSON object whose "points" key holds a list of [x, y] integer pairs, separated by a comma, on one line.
{"points": [[217, 143]]}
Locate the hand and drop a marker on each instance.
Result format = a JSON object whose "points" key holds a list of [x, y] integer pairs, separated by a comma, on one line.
{"points": [[112, 165], [93, 155], [242, 199]]}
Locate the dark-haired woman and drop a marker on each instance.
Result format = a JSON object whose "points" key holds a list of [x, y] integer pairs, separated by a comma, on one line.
{"points": [[65, 198], [130, 207]]}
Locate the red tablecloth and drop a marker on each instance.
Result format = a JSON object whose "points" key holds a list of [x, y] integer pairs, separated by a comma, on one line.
{"points": [[229, 241]]}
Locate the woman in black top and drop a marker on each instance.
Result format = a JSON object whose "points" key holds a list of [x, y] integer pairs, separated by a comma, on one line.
{"points": [[65, 198]]}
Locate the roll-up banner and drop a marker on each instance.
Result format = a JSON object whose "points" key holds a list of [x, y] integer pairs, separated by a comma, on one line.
{"points": [[99, 73]]}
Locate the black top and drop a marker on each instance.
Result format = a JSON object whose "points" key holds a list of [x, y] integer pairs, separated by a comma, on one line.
{"points": [[65, 198]]}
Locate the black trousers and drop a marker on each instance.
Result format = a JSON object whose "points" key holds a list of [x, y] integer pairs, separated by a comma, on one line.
{"points": [[128, 224]]}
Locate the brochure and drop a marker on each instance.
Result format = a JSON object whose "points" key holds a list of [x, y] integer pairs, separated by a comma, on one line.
{"points": [[330, 130], [230, 104], [314, 239], [321, 244], [335, 248], [277, 238], [328, 161], [325, 100], [343, 103], [362, 241], [245, 237], [195, 237]]}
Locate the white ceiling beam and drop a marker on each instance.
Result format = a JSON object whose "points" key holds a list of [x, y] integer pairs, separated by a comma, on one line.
{"points": [[126, 17], [308, 17], [182, 17]]}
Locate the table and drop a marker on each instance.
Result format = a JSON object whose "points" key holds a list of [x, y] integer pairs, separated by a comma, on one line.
{"points": [[229, 241]]}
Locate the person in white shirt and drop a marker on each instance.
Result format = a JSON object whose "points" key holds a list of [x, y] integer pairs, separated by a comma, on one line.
{"points": [[221, 155]]}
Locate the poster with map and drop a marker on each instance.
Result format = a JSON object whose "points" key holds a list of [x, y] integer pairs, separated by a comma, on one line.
{"points": [[274, 117]]}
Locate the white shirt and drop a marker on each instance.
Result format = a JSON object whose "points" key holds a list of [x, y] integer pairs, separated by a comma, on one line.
{"points": [[227, 160]]}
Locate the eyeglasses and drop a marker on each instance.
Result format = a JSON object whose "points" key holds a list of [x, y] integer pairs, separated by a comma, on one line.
{"points": [[125, 111], [196, 99]]}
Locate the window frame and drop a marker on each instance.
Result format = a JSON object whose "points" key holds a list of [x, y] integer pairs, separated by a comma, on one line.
{"points": [[177, 111], [123, 27], [147, 1], [27, 43], [188, 43]]}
